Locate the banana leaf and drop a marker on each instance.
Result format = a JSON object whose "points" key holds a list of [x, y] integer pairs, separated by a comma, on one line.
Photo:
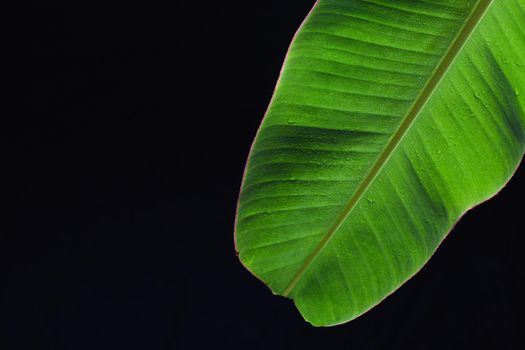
{"points": [[389, 121]]}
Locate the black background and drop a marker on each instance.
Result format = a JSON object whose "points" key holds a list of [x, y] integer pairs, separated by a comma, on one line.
{"points": [[123, 185]]}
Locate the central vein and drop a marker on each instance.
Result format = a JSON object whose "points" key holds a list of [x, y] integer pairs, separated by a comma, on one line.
{"points": [[455, 47]]}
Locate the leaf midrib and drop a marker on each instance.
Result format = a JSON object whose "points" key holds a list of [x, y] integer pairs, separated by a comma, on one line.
{"points": [[439, 73]]}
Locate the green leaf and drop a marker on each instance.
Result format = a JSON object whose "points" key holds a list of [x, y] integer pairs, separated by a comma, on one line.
{"points": [[390, 120]]}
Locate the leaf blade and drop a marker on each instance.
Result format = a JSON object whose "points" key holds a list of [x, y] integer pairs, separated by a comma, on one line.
{"points": [[384, 261]]}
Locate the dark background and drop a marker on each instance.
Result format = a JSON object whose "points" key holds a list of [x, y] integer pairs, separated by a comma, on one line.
{"points": [[122, 189]]}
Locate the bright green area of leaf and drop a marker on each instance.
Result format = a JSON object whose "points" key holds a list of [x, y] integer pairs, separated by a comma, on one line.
{"points": [[390, 120]]}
